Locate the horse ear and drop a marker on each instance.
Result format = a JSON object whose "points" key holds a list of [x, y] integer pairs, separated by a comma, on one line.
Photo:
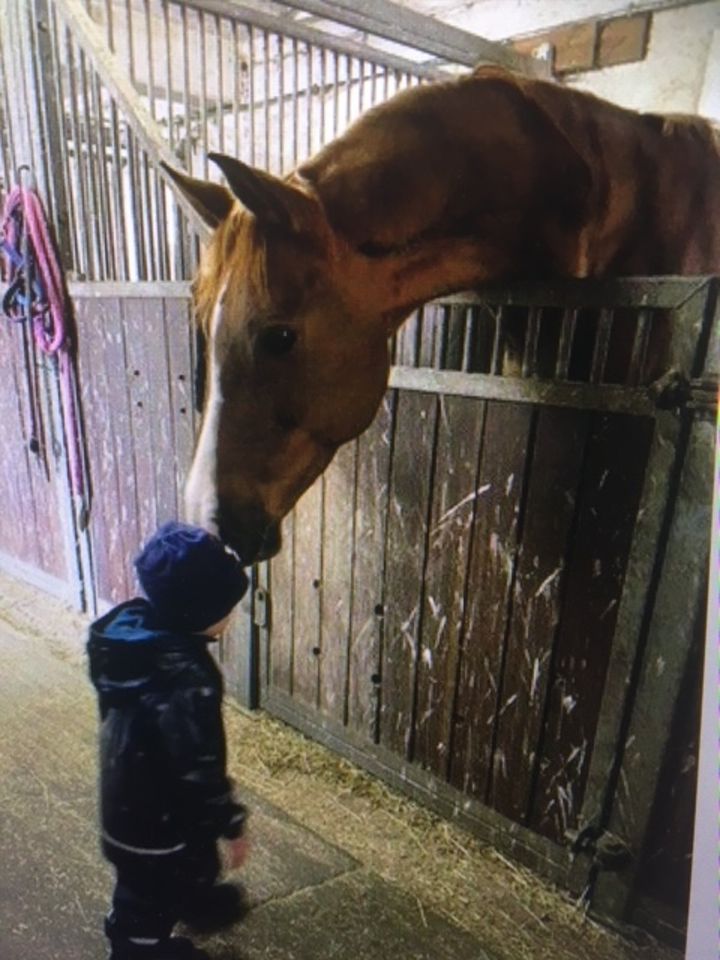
{"points": [[211, 200], [273, 201]]}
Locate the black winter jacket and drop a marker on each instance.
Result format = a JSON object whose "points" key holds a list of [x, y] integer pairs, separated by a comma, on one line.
{"points": [[162, 743]]}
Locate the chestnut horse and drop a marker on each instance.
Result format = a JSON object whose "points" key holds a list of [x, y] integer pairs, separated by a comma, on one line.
{"points": [[440, 189]]}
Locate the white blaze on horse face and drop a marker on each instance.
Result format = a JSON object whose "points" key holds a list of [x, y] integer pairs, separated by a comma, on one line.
{"points": [[201, 497]]}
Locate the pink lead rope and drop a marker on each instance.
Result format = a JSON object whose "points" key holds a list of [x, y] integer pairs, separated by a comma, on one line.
{"points": [[48, 313]]}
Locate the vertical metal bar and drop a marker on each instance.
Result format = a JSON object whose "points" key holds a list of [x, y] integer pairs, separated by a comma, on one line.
{"points": [[323, 88], [131, 44], [532, 332], [109, 32], [168, 73], [567, 332], [188, 158], [602, 343], [150, 57], [203, 94], [94, 212], [266, 95], [68, 235], [373, 83], [310, 57], [295, 103], [348, 90], [236, 87], [120, 239], [336, 92], [107, 226], [498, 348], [361, 91], [83, 214], [251, 91], [640, 347], [281, 102], [138, 234], [221, 85]]}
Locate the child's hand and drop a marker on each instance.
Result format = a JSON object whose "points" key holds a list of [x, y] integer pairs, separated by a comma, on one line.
{"points": [[236, 852]]}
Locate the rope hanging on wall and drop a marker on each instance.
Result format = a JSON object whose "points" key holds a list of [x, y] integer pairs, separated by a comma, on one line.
{"points": [[37, 295]]}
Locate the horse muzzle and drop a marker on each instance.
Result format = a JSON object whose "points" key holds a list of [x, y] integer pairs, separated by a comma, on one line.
{"points": [[250, 532]]}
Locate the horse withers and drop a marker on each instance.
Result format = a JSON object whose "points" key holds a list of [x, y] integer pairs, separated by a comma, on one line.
{"points": [[444, 187]]}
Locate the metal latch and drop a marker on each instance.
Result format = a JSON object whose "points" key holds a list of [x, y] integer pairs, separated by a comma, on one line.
{"points": [[675, 391], [261, 601]]}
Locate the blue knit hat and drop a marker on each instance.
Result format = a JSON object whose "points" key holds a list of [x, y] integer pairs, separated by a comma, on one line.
{"points": [[189, 577]]}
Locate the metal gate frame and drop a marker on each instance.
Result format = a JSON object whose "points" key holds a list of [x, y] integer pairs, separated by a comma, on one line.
{"points": [[653, 633]]}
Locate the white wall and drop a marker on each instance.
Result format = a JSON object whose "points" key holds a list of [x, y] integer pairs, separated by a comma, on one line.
{"points": [[671, 79]]}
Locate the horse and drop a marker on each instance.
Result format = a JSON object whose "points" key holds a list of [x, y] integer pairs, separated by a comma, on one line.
{"points": [[444, 187]]}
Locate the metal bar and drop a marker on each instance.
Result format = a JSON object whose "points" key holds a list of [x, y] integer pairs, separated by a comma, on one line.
{"points": [[532, 334], [203, 96], [295, 103], [151, 65], [251, 90], [582, 396], [236, 87], [221, 86], [168, 73], [498, 347], [90, 38], [292, 29], [602, 344], [567, 332], [281, 96], [310, 53], [640, 346], [655, 293], [107, 225], [83, 261], [323, 87], [266, 78], [336, 93], [402, 25]]}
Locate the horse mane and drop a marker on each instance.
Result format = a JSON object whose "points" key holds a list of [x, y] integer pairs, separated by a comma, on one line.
{"points": [[238, 248]]}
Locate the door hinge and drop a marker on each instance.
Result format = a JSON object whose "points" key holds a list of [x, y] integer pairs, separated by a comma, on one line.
{"points": [[608, 851]]}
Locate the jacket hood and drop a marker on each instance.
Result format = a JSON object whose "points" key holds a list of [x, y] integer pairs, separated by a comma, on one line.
{"points": [[128, 653]]}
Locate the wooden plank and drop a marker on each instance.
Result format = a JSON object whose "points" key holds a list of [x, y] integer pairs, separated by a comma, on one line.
{"points": [[406, 546], [113, 514], [179, 332], [281, 626], [17, 523], [454, 497], [608, 503], [307, 584], [371, 506], [336, 593], [141, 396], [538, 588], [506, 440]]}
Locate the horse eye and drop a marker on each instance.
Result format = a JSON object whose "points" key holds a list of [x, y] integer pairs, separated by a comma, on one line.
{"points": [[277, 340]]}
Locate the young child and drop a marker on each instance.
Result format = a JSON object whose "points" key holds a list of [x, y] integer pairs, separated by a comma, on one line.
{"points": [[165, 797]]}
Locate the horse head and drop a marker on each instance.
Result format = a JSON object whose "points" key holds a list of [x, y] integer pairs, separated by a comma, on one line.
{"points": [[305, 278], [296, 358]]}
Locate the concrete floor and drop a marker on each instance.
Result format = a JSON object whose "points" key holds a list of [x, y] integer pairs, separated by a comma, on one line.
{"points": [[311, 900]]}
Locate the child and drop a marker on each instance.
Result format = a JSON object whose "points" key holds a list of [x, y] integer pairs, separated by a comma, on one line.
{"points": [[165, 796]]}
